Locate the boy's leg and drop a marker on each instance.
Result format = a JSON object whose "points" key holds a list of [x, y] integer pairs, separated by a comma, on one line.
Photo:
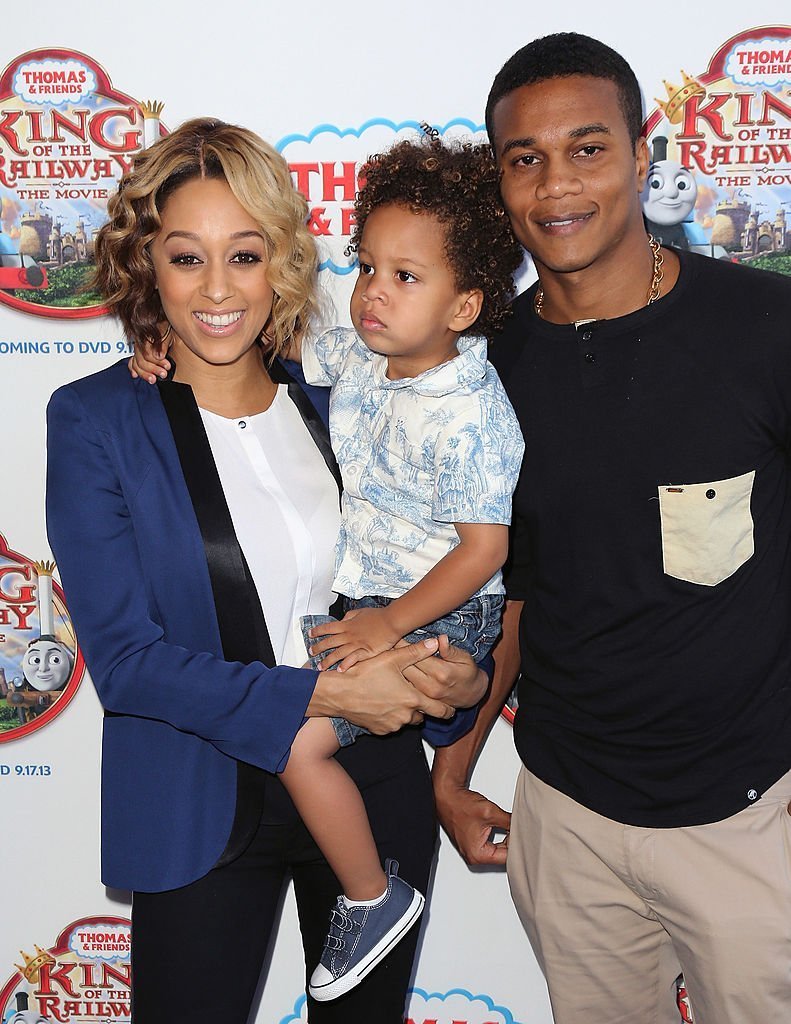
{"points": [[401, 812], [332, 808], [370, 919]]}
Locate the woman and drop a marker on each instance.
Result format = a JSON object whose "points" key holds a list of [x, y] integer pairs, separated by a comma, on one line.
{"points": [[193, 523]]}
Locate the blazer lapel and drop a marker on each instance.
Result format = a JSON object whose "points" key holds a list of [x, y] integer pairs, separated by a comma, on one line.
{"points": [[243, 629], [315, 424]]}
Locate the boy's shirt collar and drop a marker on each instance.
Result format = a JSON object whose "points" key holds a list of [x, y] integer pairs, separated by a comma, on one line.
{"points": [[466, 369]]}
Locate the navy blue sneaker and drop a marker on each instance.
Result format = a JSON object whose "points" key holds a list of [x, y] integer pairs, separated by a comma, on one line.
{"points": [[361, 936]]}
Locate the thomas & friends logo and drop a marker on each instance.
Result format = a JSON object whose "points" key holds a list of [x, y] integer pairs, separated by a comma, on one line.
{"points": [[41, 665], [66, 138], [85, 977]]}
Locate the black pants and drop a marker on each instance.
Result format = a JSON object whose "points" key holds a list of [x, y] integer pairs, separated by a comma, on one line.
{"points": [[197, 952]]}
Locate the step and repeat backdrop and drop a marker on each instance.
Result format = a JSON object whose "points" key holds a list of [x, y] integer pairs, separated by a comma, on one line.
{"points": [[83, 87]]}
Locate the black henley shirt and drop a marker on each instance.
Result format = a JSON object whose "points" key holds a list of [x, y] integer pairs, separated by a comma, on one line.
{"points": [[652, 547]]}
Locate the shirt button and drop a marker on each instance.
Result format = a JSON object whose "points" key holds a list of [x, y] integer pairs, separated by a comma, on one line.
{"points": [[590, 357], [752, 794], [242, 424], [587, 335], [711, 493]]}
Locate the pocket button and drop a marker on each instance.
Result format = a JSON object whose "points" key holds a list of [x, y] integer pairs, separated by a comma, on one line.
{"points": [[711, 493]]}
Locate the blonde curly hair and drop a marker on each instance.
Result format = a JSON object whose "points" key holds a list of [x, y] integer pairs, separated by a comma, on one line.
{"points": [[260, 180]]}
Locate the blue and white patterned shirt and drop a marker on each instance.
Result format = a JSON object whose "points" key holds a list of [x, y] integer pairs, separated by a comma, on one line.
{"points": [[416, 455]]}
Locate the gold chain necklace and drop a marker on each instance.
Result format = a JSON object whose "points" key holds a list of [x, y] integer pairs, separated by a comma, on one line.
{"points": [[653, 291]]}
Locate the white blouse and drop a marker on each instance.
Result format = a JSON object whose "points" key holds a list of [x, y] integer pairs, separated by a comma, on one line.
{"points": [[284, 506]]}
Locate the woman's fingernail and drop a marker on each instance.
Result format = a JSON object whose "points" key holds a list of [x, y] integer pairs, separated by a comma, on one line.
{"points": [[431, 642], [163, 374]]}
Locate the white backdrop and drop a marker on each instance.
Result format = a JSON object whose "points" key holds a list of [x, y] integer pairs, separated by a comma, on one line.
{"points": [[283, 70]]}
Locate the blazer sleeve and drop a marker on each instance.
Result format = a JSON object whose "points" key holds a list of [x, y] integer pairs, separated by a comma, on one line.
{"points": [[441, 732], [249, 712]]}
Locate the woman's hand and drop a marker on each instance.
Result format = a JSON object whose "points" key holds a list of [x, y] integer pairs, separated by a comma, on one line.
{"points": [[149, 363], [452, 678], [376, 695]]}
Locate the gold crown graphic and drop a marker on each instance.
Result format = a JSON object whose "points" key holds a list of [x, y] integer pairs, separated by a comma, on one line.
{"points": [[33, 964], [677, 96], [44, 568], [151, 108]]}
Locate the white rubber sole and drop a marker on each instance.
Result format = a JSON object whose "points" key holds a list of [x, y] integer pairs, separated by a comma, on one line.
{"points": [[353, 977]]}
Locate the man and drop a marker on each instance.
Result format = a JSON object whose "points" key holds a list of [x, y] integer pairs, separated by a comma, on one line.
{"points": [[650, 580]]}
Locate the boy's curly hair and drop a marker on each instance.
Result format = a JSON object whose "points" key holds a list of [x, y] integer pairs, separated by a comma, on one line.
{"points": [[458, 183]]}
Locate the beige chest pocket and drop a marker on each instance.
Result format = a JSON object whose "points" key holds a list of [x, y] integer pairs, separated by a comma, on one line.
{"points": [[707, 529]]}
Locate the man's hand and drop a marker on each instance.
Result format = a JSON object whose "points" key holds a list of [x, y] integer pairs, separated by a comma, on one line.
{"points": [[453, 677], [361, 634], [468, 818]]}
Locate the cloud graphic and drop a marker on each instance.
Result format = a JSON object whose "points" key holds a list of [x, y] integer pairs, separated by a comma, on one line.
{"points": [[54, 81], [460, 126], [11, 209], [102, 941], [299, 1013], [760, 61], [316, 156], [456, 1005], [443, 1007], [14, 647], [706, 204]]}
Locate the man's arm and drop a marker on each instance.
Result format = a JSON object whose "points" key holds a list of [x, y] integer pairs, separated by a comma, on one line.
{"points": [[467, 816]]}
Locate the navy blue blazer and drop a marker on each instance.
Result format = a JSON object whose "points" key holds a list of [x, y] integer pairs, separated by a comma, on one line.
{"points": [[179, 718]]}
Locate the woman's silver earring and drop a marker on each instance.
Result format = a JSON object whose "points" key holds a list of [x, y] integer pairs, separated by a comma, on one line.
{"points": [[165, 340]]}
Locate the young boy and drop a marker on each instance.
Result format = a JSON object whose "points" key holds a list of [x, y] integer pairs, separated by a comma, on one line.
{"points": [[429, 451]]}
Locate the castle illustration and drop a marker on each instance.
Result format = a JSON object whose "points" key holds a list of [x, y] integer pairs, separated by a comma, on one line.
{"points": [[738, 229], [48, 243]]}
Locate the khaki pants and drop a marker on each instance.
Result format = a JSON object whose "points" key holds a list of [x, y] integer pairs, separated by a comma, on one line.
{"points": [[615, 912]]}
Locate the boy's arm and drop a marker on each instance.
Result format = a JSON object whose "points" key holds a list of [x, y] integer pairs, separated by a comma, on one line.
{"points": [[468, 817], [481, 550], [149, 362]]}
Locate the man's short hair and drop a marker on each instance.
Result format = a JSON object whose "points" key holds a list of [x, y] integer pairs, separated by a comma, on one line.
{"points": [[562, 55]]}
